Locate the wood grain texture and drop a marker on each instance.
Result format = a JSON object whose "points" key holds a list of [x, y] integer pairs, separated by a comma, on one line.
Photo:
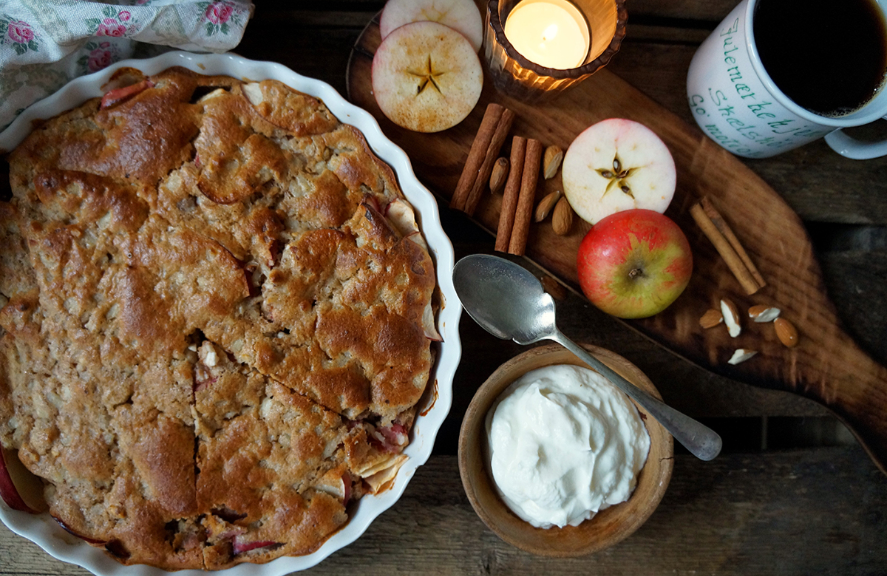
{"points": [[770, 514], [827, 366]]}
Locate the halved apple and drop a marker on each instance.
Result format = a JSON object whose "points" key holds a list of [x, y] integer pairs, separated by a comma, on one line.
{"points": [[20, 489], [617, 165], [460, 15], [426, 77]]}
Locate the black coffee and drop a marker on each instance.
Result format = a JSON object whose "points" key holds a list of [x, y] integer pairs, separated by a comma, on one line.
{"points": [[829, 56]]}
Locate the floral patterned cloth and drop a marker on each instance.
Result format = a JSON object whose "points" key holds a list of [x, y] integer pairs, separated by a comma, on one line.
{"points": [[46, 43]]}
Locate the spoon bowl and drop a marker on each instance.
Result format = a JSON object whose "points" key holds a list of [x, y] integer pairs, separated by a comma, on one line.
{"points": [[510, 303], [504, 298]]}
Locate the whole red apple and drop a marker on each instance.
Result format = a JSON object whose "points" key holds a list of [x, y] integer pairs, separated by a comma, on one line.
{"points": [[634, 263]]}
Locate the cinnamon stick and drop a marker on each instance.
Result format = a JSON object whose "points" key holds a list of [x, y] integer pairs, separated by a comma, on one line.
{"points": [[722, 245], [476, 155], [511, 193], [524, 214], [483, 175], [725, 229]]}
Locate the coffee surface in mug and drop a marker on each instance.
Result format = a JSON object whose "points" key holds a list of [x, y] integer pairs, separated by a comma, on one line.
{"points": [[828, 57]]}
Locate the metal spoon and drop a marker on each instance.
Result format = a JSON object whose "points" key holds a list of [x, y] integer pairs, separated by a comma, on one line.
{"points": [[509, 303]]}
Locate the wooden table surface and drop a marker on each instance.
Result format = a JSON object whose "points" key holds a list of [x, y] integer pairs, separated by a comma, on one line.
{"points": [[792, 493]]}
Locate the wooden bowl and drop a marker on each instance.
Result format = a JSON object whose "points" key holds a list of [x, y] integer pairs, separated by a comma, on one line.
{"points": [[608, 526]]}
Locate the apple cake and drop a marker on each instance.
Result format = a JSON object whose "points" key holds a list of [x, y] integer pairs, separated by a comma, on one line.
{"points": [[216, 319]]}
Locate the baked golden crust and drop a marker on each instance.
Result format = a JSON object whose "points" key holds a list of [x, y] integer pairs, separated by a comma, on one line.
{"points": [[210, 333]]}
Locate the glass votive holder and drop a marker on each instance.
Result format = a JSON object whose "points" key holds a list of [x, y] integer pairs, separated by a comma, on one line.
{"points": [[514, 75]]}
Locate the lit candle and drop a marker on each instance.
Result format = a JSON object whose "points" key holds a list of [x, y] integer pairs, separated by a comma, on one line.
{"points": [[551, 33]]}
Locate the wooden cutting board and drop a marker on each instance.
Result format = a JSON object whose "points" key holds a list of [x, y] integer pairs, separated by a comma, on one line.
{"points": [[826, 366]]}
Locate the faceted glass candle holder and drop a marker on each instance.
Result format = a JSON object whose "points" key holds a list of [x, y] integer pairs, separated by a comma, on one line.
{"points": [[514, 75]]}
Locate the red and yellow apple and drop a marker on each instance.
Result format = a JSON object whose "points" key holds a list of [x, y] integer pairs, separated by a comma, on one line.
{"points": [[634, 264]]}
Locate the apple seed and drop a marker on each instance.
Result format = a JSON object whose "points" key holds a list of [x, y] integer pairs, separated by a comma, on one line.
{"points": [[426, 76], [617, 178]]}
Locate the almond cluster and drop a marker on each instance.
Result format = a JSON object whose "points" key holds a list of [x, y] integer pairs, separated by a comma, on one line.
{"points": [[728, 314]]}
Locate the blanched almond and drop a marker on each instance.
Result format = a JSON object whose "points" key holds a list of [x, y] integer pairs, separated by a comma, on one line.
{"points": [[763, 313], [786, 332], [711, 319], [741, 355], [731, 317]]}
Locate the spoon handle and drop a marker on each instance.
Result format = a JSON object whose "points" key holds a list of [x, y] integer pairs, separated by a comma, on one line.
{"points": [[700, 440]]}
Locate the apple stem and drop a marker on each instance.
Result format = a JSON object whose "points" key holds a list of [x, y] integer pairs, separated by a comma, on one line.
{"points": [[635, 272]]}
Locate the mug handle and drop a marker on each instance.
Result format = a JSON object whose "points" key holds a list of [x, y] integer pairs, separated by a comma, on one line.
{"points": [[853, 148]]}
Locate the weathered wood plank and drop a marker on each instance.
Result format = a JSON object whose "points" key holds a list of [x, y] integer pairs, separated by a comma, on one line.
{"points": [[713, 10], [857, 282], [666, 34], [644, 10], [816, 511], [317, 55]]}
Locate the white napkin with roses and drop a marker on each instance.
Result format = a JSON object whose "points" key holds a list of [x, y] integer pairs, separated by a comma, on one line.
{"points": [[46, 43]]}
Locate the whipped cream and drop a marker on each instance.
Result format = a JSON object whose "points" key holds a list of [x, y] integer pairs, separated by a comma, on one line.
{"points": [[564, 443]]}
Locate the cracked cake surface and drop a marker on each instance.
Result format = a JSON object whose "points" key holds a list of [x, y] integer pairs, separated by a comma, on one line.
{"points": [[216, 319]]}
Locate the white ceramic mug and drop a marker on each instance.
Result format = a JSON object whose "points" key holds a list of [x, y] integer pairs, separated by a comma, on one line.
{"points": [[737, 105]]}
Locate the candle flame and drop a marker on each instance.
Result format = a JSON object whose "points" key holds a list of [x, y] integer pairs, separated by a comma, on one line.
{"points": [[549, 33]]}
